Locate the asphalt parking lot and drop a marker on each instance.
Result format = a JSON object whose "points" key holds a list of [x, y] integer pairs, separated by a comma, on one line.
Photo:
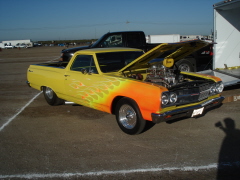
{"points": [[38, 141]]}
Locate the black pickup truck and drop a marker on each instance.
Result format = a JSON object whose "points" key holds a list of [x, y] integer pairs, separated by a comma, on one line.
{"points": [[137, 39]]}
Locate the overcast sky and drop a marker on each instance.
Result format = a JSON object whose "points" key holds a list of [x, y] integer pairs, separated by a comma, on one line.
{"points": [[84, 19]]}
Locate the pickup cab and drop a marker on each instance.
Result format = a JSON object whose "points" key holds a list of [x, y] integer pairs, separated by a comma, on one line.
{"points": [[127, 83], [137, 39]]}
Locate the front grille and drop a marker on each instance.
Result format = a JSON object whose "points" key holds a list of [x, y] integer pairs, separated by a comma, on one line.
{"points": [[191, 94], [204, 91]]}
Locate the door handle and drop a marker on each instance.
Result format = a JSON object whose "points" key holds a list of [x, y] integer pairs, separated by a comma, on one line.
{"points": [[66, 75], [30, 70]]}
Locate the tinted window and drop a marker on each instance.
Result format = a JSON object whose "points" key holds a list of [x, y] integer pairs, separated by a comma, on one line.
{"points": [[115, 61], [84, 62]]}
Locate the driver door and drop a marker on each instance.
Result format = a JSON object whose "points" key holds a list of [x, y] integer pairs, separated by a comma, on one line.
{"points": [[80, 80]]}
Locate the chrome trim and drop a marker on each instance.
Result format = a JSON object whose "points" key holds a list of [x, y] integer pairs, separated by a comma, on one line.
{"points": [[69, 103], [127, 116], [186, 111]]}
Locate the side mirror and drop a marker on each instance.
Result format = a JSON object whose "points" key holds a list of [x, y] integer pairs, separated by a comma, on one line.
{"points": [[84, 71]]}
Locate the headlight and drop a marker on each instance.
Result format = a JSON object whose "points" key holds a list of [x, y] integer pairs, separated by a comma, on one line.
{"points": [[165, 99], [173, 97], [213, 89], [219, 87], [169, 98]]}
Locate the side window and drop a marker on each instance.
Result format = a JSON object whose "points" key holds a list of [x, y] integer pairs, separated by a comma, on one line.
{"points": [[114, 61], [84, 62], [131, 56], [112, 41], [109, 62]]}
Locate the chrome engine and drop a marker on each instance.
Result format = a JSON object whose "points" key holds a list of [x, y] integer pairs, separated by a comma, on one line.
{"points": [[159, 74]]}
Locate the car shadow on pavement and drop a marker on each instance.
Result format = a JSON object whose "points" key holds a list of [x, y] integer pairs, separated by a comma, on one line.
{"points": [[229, 155]]}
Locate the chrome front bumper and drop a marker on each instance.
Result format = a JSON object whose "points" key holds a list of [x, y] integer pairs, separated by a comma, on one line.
{"points": [[185, 112]]}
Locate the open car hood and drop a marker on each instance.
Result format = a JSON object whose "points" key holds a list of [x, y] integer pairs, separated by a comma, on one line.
{"points": [[177, 52]]}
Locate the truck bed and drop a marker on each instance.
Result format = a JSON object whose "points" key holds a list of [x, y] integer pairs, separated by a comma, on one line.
{"points": [[58, 64]]}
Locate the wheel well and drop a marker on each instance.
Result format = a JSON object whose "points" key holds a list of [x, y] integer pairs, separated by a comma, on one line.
{"points": [[114, 103], [42, 87]]}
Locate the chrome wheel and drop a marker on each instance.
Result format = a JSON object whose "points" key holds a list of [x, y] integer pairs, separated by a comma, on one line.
{"points": [[184, 67], [127, 116], [51, 97], [49, 93]]}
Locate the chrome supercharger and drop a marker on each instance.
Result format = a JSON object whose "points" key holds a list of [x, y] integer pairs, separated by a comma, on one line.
{"points": [[164, 76]]}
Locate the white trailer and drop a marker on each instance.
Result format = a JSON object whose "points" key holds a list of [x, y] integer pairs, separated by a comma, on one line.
{"points": [[167, 38], [1, 45], [226, 58]]}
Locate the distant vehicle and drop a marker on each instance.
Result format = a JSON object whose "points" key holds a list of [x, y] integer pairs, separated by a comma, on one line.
{"points": [[137, 39], [17, 45], [167, 38], [8, 46], [61, 44], [22, 45], [36, 44]]}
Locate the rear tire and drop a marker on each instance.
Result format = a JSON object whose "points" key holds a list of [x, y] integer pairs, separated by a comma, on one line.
{"points": [[129, 117], [51, 97], [185, 65]]}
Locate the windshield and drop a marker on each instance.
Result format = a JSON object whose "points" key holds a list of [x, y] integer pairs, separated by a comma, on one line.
{"points": [[114, 61], [97, 42]]}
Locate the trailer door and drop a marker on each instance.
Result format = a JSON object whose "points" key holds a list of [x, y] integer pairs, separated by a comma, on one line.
{"points": [[226, 34]]}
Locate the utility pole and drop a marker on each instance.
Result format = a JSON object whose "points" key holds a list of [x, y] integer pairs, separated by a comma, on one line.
{"points": [[127, 22]]}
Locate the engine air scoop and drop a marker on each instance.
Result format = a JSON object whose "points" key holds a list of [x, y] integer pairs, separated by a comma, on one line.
{"points": [[168, 62]]}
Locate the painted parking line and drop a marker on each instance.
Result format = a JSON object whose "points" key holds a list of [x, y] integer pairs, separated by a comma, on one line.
{"points": [[14, 116], [99, 173]]}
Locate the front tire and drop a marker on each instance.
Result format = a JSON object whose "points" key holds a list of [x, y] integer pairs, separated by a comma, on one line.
{"points": [[51, 97], [128, 116]]}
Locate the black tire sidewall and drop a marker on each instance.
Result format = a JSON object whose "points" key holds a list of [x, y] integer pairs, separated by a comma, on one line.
{"points": [[187, 63], [54, 100], [140, 124]]}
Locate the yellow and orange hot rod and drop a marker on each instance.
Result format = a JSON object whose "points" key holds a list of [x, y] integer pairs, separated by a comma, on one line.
{"points": [[137, 87]]}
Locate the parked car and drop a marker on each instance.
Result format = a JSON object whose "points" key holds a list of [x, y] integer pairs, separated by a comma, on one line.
{"points": [[123, 81], [21, 45], [8, 46], [137, 39], [17, 45]]}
